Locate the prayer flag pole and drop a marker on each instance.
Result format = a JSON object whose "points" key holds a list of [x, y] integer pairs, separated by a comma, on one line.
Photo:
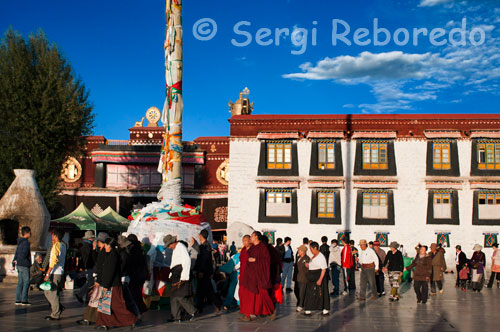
{"points": [[171, 155]]}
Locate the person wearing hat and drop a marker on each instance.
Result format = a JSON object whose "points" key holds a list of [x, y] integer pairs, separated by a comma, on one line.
{"points": [[460, 261], [495, 266], [369, 266], [301, 278], [180, 267], [438, 268], [394, 266], [87, 263], [477, 265], [379, 277]]}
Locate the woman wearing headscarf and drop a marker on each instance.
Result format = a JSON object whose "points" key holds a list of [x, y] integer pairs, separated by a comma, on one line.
{"points": [[112, 311], [495, 266], [477, 264]]}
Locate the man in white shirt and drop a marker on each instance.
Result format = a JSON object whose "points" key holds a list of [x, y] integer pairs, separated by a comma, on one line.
{"points": [[369, 266], [335, 263], [180, 266]]}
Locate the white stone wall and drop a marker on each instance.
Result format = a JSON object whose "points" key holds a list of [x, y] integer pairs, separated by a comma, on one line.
{"points": [[410, 198]]}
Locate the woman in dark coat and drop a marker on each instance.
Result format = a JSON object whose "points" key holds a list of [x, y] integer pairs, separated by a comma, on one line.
{"points": [[139, 273], [111, 281], [477, 264], [422, 274]]}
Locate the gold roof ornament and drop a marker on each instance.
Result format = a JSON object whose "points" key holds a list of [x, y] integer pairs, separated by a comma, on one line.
{"points": [[153, 115], [242, 105]]}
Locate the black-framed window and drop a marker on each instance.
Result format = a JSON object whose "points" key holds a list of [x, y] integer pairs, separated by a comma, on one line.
{"points": [[375, 157], [485, 158], [326, 158], [442, 158], [442, 207], [278, 206], [486, 207], [325, 207], [278, 157], [375, 207]]}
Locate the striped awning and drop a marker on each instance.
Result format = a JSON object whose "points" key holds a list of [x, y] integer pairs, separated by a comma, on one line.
{"points": [[374, 134], [325, 134], [278, 135], [442, 134]]}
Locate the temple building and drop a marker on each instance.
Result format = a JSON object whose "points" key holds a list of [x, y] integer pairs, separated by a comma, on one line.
{"points": [[392, 177], [389, 177], [123, 174]]}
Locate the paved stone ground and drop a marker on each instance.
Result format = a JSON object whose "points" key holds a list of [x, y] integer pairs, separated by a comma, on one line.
{"points": [[452, 311]]}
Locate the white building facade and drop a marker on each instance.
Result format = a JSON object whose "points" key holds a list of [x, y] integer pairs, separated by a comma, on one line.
{"points": [[406, 178]]}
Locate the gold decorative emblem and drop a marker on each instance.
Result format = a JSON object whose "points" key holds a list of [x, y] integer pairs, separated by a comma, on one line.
{"points": [[153, 115], [220, 214], [213, 148], [71, 170], [223, 172]]}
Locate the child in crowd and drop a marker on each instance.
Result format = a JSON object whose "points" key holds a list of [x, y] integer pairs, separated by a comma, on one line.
{"points": [[464, 276]]}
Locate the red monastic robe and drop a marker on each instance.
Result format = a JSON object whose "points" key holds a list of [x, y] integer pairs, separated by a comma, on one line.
{"points": [[246, 305], [256, 280]]}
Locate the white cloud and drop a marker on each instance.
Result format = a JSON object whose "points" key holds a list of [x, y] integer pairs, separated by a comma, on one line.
{"points": [[348, 106], [399, 80], [369, 66], [432, 3]]}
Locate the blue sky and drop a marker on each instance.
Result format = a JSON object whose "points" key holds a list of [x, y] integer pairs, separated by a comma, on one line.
{"points": [[116, 47]]}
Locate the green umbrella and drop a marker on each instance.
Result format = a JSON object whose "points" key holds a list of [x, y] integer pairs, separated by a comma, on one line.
{"points": [[83, 219], [114, 217]]}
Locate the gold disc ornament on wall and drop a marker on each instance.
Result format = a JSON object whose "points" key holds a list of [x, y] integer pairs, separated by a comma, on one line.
{"points": [[223, 172], [71, 170]]}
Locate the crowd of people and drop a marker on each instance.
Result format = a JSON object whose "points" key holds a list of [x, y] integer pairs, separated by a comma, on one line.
{"points": [[120, 276]]}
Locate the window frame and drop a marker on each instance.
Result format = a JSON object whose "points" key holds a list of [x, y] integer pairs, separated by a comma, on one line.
{"points": [[314, 217], [491, 156], [454, 167], [280, 151], [374, 155], [362, 220], [263, 169], [390, 170], [315, 170], [438, 201], [454, 208], [439, 146], [264, 218], [475, 209]]}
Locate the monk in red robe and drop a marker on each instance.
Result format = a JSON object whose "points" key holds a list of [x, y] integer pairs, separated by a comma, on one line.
{"points": [[246, 307], [256, 279]]}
